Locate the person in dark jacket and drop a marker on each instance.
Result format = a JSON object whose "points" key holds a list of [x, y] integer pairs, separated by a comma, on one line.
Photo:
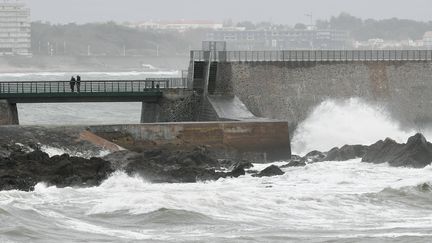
{"points": [[72, 84], [78, 83]]}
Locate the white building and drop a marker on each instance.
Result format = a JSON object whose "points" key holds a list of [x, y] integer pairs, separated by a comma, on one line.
{"points": [[14, 28], [427, 40]]}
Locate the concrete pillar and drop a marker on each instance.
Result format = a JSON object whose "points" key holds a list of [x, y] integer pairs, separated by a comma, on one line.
{"points": [[150, 112], [8, 113]]}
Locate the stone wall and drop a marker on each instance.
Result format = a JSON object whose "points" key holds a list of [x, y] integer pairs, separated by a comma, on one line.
{"points": [[174, 106], [290, 90]]}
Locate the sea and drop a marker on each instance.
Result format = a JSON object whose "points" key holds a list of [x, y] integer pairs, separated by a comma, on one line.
{"points": [[347, 201]]}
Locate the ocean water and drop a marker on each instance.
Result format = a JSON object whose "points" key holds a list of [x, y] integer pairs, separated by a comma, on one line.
{"points": [[345, 201]]}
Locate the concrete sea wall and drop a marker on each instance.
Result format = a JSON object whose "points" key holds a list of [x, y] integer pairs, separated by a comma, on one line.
{"points": [[290, 90], [268, 140]]}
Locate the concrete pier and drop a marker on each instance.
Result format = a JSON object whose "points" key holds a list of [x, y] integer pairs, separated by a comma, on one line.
{"points": [[8, 113]]}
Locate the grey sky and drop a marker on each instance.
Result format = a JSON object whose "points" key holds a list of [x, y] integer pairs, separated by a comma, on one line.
{"points": [[278, 11]]}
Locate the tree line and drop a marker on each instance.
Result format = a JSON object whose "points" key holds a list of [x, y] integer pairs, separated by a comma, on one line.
{"points": [[360, 29], [109, 39], [112, 39]]}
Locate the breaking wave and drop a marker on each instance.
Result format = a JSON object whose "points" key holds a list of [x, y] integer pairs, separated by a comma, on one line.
{"points": [[335, 123]]}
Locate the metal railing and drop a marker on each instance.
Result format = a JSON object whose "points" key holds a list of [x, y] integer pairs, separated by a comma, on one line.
{"points": [[106, 86], [313, 55]]}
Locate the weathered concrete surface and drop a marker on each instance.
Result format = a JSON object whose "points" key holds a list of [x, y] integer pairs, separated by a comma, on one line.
{"points": [[230, 108], [8, 113], [289, 90], [150, 112], [267, 139]]}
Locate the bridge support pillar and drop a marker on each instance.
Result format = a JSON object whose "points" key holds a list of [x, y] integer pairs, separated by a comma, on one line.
{"points": [[8, 113], [150, 112]]}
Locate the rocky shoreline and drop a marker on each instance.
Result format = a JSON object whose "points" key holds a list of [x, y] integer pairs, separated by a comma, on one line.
{"points": [[21, 169], [415, 153], [22, 166]]}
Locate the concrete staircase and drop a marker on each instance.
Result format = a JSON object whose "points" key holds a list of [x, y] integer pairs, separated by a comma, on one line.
{"points": [[198, 75], [212, 78]]}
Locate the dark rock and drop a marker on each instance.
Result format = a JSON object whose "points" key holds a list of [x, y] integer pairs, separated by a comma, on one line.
{"points": [[231, 164], [313, 157], [175, 166], [417, 152], [294, 163], [272, 170], [347, 152], [22, 171], [237, 172], [120, 159], [239, 169]]}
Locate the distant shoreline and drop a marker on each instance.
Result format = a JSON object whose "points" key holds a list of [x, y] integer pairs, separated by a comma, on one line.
{"points": [[89, 64]]}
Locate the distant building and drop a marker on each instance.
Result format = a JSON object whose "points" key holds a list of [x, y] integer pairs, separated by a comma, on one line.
{"points": [[427, 40], [282, 39], [14, 28], [180, 25]]}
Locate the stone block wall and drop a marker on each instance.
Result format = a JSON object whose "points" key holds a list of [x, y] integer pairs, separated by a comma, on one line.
{"points": [[290, 90], [177, 106]]}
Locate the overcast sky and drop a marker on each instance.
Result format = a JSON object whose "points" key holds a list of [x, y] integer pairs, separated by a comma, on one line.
{"points": [[277, 11]]}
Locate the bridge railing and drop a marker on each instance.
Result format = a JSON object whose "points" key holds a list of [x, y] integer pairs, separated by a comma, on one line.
{"points": [[313, 55], [106, 86]]}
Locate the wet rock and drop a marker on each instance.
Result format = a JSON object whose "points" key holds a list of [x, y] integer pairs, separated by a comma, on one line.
{"points": [[239, 169], [416, 153], [22, 171], [347, 152], [272, 170], [175, 166], [295, 163], [120, 159], [237, 172], [313, 157]]}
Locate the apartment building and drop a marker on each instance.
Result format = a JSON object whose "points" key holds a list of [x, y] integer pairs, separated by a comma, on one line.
{"points": [[15, 32], [282, 39], [427, 40]]}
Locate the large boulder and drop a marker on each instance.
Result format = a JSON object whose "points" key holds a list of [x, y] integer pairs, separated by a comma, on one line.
{"points": [[272, 170], [347, 152], [313, 157], [416, 153], [294, 163]]}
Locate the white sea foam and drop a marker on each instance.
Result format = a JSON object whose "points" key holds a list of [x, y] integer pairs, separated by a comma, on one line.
{"points": [[53, 151], [352, 121], [327, 200]]}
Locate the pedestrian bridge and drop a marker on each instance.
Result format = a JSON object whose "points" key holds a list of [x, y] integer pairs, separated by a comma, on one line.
{"points": [[90, 91], [151, 92]]}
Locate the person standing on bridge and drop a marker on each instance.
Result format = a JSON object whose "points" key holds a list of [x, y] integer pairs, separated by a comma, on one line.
{"points": [[72, 84], [78, 83]]}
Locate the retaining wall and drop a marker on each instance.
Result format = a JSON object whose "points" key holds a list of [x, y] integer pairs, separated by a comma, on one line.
{"points": [[259, 139], [290, 90]]}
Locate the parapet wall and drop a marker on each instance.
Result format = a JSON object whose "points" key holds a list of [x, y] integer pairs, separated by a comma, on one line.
{"points": [[289, 90], [269, 139]]}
